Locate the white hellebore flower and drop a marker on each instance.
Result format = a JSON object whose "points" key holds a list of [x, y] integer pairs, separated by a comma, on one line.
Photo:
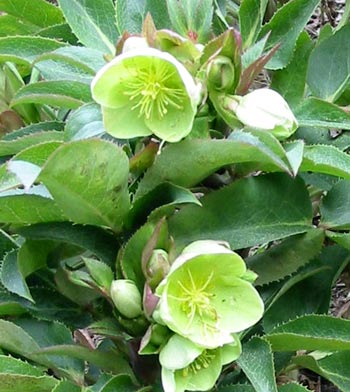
{"points": [[265, 109]]}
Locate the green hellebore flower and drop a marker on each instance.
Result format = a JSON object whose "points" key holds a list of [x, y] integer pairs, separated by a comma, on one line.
{"points": [[205, 296], [145, 91], [186, 366], [265, 109], [126, 298]]}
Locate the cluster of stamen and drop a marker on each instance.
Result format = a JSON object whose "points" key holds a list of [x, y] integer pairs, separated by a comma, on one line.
{"points": [[150, 91], [201, 362], [195, 300]]}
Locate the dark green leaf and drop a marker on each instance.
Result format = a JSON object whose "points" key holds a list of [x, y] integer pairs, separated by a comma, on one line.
{"points": [[329, 66], [287, 257], [16, 382], [311, 332], [314, 112], [249, 212], [335, 207], [257, 363], [206, 156], [291, 81], [92, 21], [285, 27], [251, 15]]}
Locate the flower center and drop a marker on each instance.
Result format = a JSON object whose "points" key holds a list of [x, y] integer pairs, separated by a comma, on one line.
{"points": [[201, 362], [196, 302], [151, 92]]}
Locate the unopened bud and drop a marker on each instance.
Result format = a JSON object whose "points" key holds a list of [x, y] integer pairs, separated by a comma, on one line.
{"points": [[157, 267], [221, 74], [126, 298]]}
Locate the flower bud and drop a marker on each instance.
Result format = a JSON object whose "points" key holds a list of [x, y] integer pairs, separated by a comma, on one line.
{"points": [[134, 43], [126, 298], [157, 267], [221, 74], [265, 109]]}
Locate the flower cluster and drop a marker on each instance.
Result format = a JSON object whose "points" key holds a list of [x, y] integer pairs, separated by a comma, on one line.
{"points": [[204, 301]]}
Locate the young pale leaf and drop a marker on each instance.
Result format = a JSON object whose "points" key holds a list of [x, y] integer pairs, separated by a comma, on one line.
{"points": [[251, 15], [287, 257], [285, 27], [59, 93], [206, 156], [314, 112], [335, 207], [329, 66], [326, 160], [331, 334], [291, 81], [92, 21], [95, 191], [257, 363], [333, 367], [28, 10], [226, 214], [26, 49]]}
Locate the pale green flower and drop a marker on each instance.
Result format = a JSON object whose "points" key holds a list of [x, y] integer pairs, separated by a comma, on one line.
{"points": [[186, 366], [266, 110], [146, 91], [205, 296]]}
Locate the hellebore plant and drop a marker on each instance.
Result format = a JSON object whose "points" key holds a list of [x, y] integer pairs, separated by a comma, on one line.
{"points": [[186, 366], [145, 91], [206, 297]]}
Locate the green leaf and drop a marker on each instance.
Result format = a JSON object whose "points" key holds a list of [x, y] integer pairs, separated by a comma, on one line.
{"points": [[207, 156], [28, 11], [332, 367], [287, 257], [95, 192], [84, 123], [311, 332], [335, 207], [16, 340], [10, 365], [314, 112], [37, 154], [251, 15], [9, 25], [92, 21], [159, 202], [19, 382], [34, 128], [291, 81], [327, 160], [12, 278], [59, 32], [292, 387], [309, 290], [257, 363], [24, 49], [343, 239], [227, 215], [329, 66], [324, 136], [66, 386], [129, 15], [104, 244], [117, 383], [285, 27], [110, 361], [28, 207], [11, 147], [235, 388], [60, 93]]}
